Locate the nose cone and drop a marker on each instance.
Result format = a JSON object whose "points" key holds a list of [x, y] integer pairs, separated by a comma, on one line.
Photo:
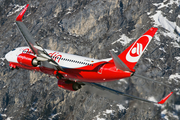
{"points": [[11, 56], [8, 56]]}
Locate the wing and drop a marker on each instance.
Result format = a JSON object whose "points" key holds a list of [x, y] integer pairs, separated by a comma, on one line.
{"points": [[127, 95], [41, 54]]}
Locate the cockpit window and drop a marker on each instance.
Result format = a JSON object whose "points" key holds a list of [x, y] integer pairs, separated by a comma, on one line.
{"points": [[13, 49]]}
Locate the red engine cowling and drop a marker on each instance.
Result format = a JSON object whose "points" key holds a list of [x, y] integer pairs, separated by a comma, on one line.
{"points": [[68, 85], [28, 60]]}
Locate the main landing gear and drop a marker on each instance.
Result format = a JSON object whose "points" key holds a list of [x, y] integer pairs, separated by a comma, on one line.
{"points": [[67, 84], [76, 86]]}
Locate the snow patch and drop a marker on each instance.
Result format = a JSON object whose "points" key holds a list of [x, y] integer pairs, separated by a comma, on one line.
{"points": [[108, 112], [175, 44], [9, 118], [177, 58], [165, 4], [2, 59], [53, 116], [101, 119], [177, 107], [68, 13], [122, 80], [121, 107], [152, 99], [3, 115], [160, 20], [162, 59], [114, 50], [33, 109], [123, 40], [177, 91], [166, 114], [158, 39], [2, 63], [163, 114], [18, 8], [174, 76], [171, 11], [150, 60], [104, 113], [162, 49]]}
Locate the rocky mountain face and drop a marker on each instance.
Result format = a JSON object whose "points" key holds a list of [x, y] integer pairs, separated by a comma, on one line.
{"points": [[91, 28]]}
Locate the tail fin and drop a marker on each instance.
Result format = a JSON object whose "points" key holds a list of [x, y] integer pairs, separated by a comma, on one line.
{"points": [[131, 55]]}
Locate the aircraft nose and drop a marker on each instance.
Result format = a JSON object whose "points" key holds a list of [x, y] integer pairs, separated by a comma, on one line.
{"points": [[8, 56], [12, 56]]}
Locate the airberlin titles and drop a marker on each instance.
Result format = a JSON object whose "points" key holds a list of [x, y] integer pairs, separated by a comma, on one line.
{"points": [[55, 55]]}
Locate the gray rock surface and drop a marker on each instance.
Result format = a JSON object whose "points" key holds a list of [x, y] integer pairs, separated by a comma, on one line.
{"points": [[89, 28]]}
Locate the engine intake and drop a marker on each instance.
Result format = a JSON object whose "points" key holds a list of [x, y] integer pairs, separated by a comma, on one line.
{"points": [[28, 60]]}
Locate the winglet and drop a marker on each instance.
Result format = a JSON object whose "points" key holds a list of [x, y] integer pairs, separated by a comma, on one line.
{"points": [[19, 17], [164, 99]]}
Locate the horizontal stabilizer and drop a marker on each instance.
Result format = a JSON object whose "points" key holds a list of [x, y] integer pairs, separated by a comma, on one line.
{"points": [[118, 62], [146, 78]]}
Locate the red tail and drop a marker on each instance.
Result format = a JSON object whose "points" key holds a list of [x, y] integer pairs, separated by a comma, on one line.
{"points": [[132, 54]]}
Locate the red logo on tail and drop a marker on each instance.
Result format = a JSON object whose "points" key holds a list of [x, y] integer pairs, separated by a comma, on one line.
{"points": [[137, 48]]}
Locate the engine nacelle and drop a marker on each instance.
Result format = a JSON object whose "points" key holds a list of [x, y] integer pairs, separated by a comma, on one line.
{"points": [[68, 85], [28, 60]]}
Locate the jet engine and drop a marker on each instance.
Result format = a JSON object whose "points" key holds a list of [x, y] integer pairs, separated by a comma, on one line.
{"points": [[28, 60], [68, 85]]}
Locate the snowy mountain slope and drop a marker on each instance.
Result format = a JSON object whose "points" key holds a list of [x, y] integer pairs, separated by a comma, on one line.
{"points": [[92, 28]]}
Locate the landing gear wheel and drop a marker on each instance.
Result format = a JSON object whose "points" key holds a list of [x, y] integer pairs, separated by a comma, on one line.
{"points": [[11, 68], [76, 86]]}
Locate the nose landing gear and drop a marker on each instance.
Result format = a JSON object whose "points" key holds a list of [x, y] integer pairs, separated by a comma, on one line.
{"points": [[12, 67]]}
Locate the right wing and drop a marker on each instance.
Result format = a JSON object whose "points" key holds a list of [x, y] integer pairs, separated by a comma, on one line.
{"points": [[41, 54], [127, 95]]}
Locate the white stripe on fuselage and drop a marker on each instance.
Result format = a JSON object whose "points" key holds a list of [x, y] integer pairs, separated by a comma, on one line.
{"points": [[63, 59]]}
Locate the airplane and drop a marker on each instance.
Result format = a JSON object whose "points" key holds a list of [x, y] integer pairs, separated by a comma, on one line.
{"points": [[73, 71]]}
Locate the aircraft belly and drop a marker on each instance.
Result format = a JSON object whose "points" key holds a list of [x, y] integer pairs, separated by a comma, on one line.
{"points": [[23, 66], [93, 76]]}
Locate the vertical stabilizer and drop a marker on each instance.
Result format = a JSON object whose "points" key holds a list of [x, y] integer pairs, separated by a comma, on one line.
{"points": [[131, 55]]}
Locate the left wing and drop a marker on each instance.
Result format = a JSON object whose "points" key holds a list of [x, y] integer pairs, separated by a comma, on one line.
{"points": [[41, 54]]}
